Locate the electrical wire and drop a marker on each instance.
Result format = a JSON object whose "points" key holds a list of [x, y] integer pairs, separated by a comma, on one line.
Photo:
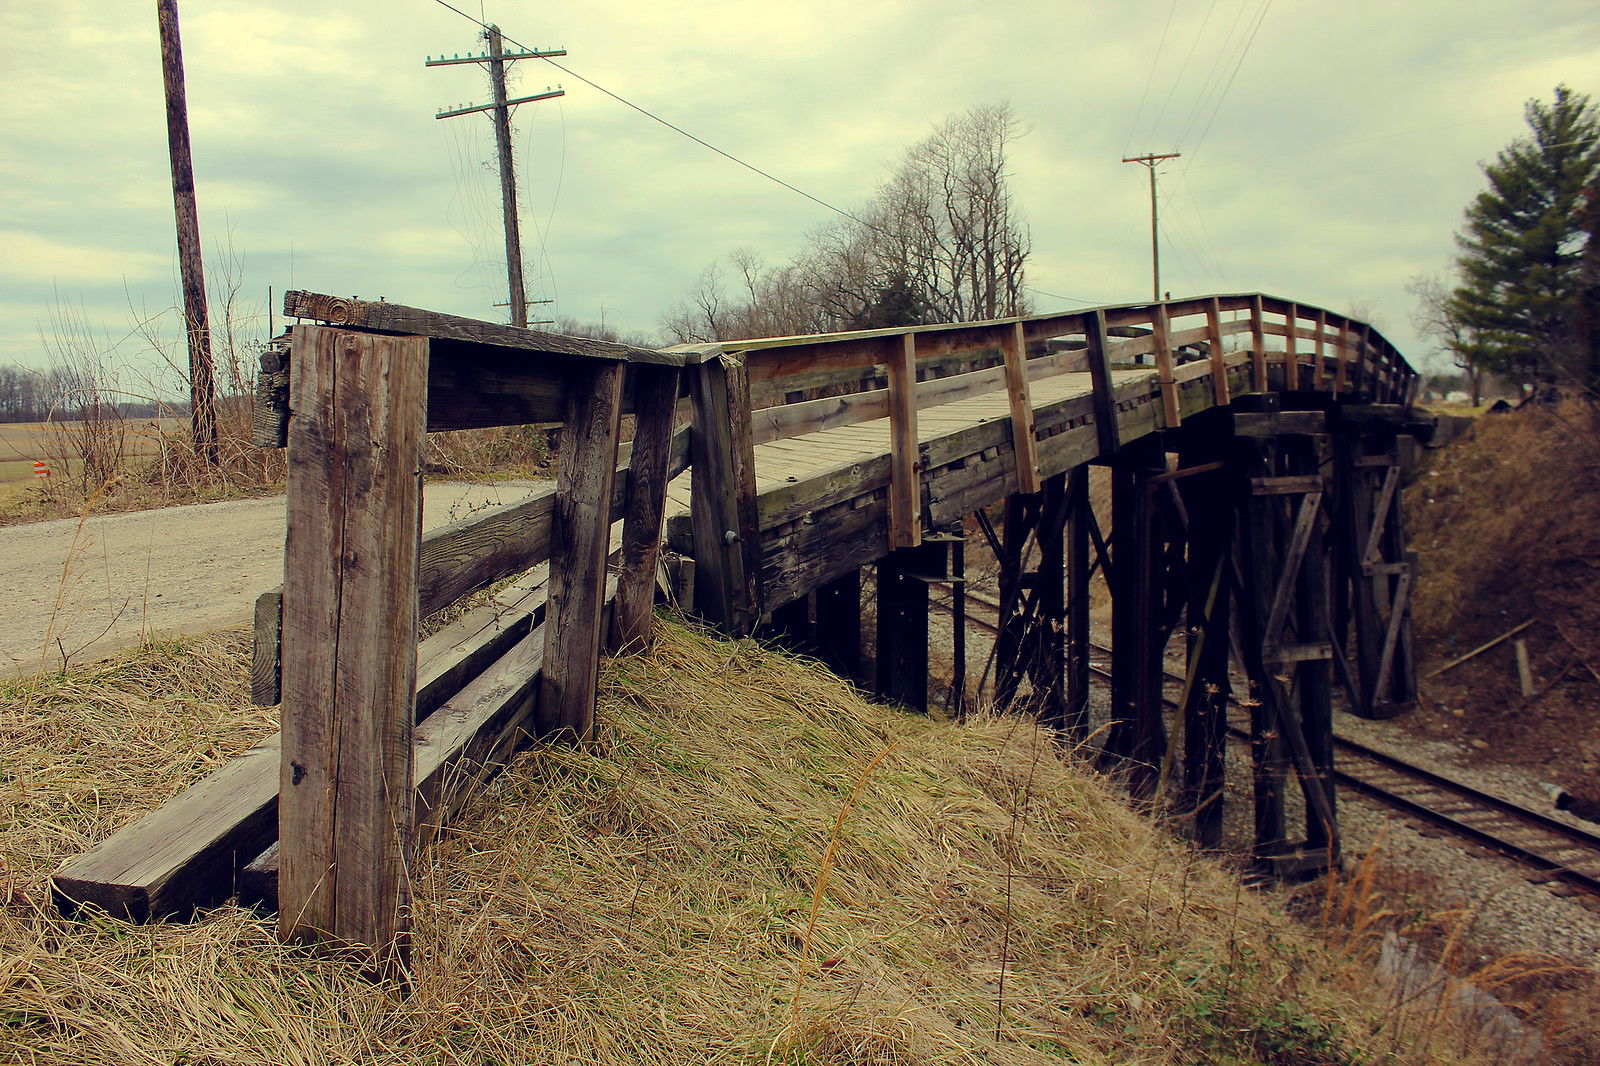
{"points": [[1155, 62], [671, 126]]}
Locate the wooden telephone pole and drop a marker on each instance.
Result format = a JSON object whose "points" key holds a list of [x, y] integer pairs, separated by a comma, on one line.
{"points": [[1150, 162], [202, 389], [497, 58]]}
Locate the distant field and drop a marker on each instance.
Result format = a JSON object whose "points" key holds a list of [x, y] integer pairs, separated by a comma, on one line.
{"points": [[23, 442]]}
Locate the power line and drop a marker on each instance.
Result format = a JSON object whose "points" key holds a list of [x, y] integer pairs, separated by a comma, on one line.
{"points": [[1149, 78], [671, 126]]}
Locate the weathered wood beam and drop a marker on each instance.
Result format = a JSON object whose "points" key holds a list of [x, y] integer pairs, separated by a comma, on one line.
{"points": [[655, 399], [724, 512], [580, 530], [1023, 441], [397, 318], [349, 638], [905, 481]]}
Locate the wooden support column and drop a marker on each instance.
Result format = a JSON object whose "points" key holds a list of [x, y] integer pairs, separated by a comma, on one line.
{"points": [[839, 624], [1010, 649], [1314, 676], [1049, 644], [905, 464], [1162, 324], [958, 622], [580, 535], [1207, 683], [902, 661], [347, 807], [655, 394], [1023, 440], [1256, 559], [1219, 366], [791, 624], [1098, 362], [1077, 621], [723, 515], [1137, 737]]}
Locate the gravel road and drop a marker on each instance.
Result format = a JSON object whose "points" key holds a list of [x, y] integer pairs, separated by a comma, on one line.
{"points": [[84, 592]]}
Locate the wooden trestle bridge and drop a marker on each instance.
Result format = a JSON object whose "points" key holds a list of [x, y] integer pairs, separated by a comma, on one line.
{"points": [[1255, 450]]}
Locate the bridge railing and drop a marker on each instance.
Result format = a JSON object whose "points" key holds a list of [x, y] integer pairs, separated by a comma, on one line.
{"points": [[788, 387]]}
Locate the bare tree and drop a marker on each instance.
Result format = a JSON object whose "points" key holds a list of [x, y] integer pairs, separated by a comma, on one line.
{"points": [[941, 241], [1435, 318]]}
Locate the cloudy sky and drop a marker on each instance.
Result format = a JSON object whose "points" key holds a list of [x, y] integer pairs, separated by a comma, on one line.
{"points": [[1328, 149]]}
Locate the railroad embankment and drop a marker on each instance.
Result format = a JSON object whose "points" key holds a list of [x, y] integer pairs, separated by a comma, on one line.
{"points": [[1507, 523], [752, 864]]}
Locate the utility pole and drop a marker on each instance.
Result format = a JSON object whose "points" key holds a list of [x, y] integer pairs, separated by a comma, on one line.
{"points": [[1150, 162], [497, 58], [202, 390]]}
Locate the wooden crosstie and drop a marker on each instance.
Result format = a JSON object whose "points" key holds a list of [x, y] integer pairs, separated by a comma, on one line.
{"points": [[1254, 446]]}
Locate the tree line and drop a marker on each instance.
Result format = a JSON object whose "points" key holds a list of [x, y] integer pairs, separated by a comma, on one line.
{"points": [[1524, 304], [64, 392]]}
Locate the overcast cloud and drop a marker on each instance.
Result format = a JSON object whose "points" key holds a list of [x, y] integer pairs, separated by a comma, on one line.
{"points": [[1335, 169]]}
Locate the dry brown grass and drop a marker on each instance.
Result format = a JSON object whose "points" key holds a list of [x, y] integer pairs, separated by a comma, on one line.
{"points": [[750, 865]]}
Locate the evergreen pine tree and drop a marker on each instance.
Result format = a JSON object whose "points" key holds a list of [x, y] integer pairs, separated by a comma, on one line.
{"points": [[1521, 245]]}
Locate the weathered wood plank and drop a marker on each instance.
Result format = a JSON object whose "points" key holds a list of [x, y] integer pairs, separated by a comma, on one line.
{"points": [[266, 653], [580, 530], [1105, 407], [269, 419], [188, 852], [397, 318], [349, 632], [1164, 380], [655, 396], [1023, 441], [1258, 346], [905, 485], [723, 510]]}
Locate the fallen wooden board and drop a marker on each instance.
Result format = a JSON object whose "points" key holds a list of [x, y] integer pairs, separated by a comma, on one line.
{"points": [[186, 853]]}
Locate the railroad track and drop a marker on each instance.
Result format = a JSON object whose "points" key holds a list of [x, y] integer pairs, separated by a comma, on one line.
{"points": [[1564, 856]]}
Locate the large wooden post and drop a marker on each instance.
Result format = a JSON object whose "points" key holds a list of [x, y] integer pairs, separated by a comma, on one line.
{"points": [[1077, 607], [838, 632], [1257, 560], [655, 395], [347, 806], [902, 661], [580, 535], [1137, 736], [202, 390], [1049, 643], [723, 514], [1207, 684], [1314, 676]]}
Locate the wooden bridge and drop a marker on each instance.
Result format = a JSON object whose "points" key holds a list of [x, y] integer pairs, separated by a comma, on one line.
{"points": [[1255, 450]]}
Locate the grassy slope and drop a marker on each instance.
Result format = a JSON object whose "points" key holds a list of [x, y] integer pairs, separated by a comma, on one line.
{"points": [[753, 865], [1507, 522]]}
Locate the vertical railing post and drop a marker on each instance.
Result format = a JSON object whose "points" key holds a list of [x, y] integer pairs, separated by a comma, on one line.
{"points": [[1319, 372], [1341, 366], [1291, 349], [905, 464], [655, 396], [1098, 360], [580, 541], [347, 806], [1219, 366], [722, 512], [1024, 446], [1258, 346], [1161, 323]]}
